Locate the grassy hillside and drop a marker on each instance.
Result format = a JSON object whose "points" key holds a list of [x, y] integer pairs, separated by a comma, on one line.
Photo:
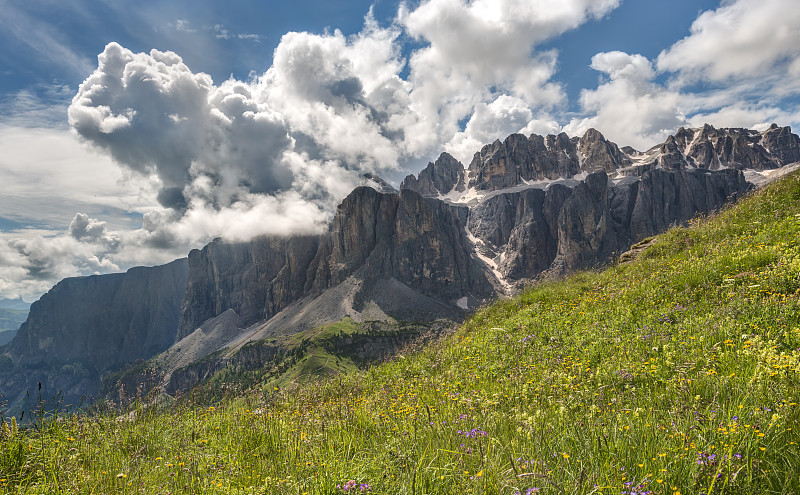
{"points": [[676, 373]]}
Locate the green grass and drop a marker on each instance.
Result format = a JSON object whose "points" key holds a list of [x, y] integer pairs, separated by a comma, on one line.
{"points": [[678, 372]]}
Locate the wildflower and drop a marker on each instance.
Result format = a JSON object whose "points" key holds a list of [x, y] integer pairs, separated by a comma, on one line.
{"points": [[353, 485], [473, 433]]}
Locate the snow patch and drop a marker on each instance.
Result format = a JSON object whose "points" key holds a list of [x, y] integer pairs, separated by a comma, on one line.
{"points": [[581, 176], [760, 178], [462, 303], [462, 197], [540, 182], [488, 261]]}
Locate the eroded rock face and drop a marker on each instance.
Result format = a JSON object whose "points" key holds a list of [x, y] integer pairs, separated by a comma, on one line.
{"points": [[568, 227], [104, 319], [256, 279], [419, 242], [519, 160], [431, 251], [601, 155], [438, 178], [782, 144], [88, 326], [505, 164]]}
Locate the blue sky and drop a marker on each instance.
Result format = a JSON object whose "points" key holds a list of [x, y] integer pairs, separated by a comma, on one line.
{"points": [[131, 133]]}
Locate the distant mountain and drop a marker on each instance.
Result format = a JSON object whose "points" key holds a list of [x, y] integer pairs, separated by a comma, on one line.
{"points": [[6, 336], [16, 304], [13, 313], [450, 239]]}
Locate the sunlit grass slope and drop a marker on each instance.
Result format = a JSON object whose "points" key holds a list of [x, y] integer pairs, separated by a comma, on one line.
{"points": [[678, 372]]}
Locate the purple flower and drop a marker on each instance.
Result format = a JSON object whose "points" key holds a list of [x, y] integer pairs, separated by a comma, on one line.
{"points": [[353, 485]]}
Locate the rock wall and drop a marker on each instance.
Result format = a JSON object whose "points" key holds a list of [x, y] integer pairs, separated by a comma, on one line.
{"points": [[417, 241], [85, 327], [564, 228], [256, 279], [103, 320]]}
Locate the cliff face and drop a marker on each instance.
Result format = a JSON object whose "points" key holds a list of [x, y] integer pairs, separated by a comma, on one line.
{"points": [[570, 226], [256, 279], [440, 177], [103, 320], [519, 160], [419, 242], [85, 327]]}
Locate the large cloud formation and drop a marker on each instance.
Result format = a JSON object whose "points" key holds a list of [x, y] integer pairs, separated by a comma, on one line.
{"points": [[330, 106]]}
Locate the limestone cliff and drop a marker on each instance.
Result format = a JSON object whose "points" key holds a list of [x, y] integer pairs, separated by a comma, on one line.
{"points": [[88, 326]]}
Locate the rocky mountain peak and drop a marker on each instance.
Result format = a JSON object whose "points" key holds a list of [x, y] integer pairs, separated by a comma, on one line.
{"points": [[439, 178], [781, 144], [599, 154], [371, 180]]}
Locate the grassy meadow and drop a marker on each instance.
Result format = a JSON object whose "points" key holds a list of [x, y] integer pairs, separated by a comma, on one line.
{"points": [[678, 372]]}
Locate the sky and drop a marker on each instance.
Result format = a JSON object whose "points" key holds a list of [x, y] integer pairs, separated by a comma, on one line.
{"points": [[132, 132]]}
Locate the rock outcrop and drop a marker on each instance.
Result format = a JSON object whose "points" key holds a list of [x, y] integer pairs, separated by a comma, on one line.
{"points": [[418, 242], [88, 326], [439, 178], [256, 279], [574, 225]]}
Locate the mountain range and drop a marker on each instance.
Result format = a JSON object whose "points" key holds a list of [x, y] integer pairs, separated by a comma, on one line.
{"points": [[452, 238]]}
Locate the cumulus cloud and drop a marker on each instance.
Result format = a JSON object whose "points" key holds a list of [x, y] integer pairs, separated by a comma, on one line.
{"points": [[480, 50], [92, 230], [736, 68], [31, 265], [330, 105], [496, 120], [629, 107], [340, 101], [741, 39]]}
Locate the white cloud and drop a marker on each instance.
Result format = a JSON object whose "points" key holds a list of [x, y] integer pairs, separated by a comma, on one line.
{"points": [[741, 39], [736, 68], [48, 175], [496, 120], [741, 114], [478, 51], [221, 32], [42, 106], [629, 108], [31, 265]]}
